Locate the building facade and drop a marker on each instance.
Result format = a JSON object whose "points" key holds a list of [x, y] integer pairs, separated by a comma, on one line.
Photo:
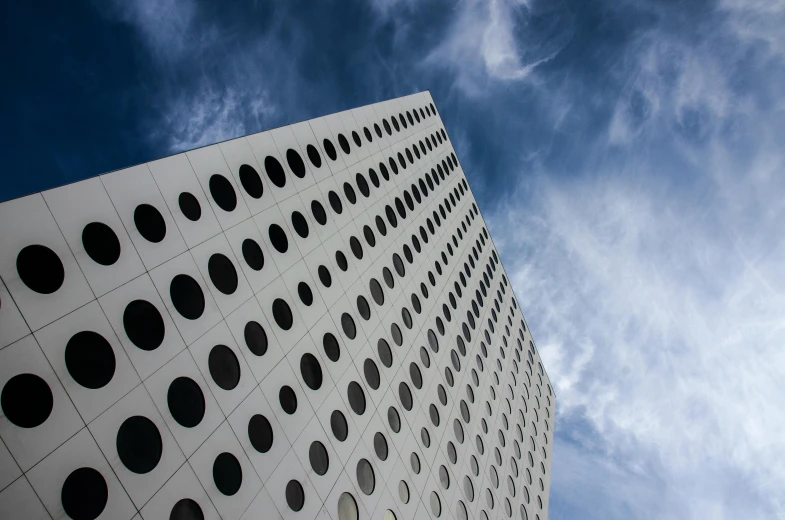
{"points": [[309, 322]]}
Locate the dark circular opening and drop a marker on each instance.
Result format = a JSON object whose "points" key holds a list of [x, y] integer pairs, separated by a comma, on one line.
{"points": [[313, 155], [394, 419], [224, 367], [339, 426], [365, 477], [318, 457], [331, 348], [344, 143], [356, 247], [335, 202], [187, 297], [26, 400], [144, 325], [186, 402], [363, 308], [84, 494], [222, 273], [340, 259], [311, 371], [405, 395], [329, 149], [348, 326], [139, 444], [371, 372], [101, 243], [295, 162], [299, 224], [376, 292], [282, 314], [295, 496], [275, 171], [349, 192], [305, 294], [252, 183], [90, 359], [150, 223], [260, 433], [324, 276], [385, 354], [380, 446], [278, 238], [227, 474], [223, 192], [318, 212], [356, 398], [252, 254], [186, 509], [356, 139], [255, 338], [362, 185], [288, 399]]}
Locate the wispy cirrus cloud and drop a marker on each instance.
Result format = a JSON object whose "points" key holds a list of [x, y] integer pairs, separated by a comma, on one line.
{"points": [[652, 278], [501, 40]]}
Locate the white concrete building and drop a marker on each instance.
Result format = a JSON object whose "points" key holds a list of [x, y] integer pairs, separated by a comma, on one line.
{"points": [[310, 322]]}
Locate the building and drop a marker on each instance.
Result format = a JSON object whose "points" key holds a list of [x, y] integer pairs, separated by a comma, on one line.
{"points": [[310, 322]]}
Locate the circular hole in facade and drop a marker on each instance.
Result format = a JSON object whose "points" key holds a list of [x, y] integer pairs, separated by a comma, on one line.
{"points": [[385, 354], [251, 182], [347, 507], [348, 326], [252, 254], [295, 496], [90, 359], [311, 371], [150, 223], [295, 162], [340, 259], [186, 509], [275, 171], [222, 192], [363, 308], [305, 293], [403, 491], [380, 446], [324, 276], [318, 212], [84, 494], [394, 419], [366, 478], [282, 314], [222, 273], [319, 458], [344, 143], [313, 155], [187, 297], [26, 400], [436, 504], [40, 269], [287, 399], [101, 243], [278, 238], [227, 474], [339, 426], [414, 461], [260, 433], [255, 338], [299, 224], [329, 149], [224, 367], [144, 325], [376, 292], [139, 444], [186, 402], [371, 372], [406, 396], [331, 348], [356, 398]]}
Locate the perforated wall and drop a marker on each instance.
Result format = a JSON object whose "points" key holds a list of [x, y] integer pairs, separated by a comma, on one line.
{"points": [[310, 322]]}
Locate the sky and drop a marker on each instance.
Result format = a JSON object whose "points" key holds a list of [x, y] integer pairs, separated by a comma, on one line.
{"points": [[628, 155]]}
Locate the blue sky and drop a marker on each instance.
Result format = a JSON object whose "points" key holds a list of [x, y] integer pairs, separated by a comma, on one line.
{"points": [[629, 156]]}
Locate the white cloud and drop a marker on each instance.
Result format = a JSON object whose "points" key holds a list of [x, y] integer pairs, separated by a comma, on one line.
{"points": [[495, 40], [658, 296]]}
